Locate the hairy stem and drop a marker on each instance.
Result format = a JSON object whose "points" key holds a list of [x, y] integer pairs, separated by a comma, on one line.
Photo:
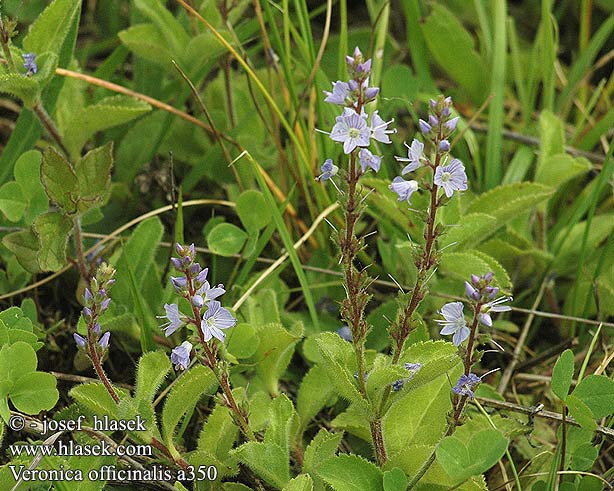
{"points": [[81, 262], [49, 125]]}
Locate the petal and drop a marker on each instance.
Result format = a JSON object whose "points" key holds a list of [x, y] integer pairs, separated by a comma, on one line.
{"points": [[460, 336], [449, 329]]}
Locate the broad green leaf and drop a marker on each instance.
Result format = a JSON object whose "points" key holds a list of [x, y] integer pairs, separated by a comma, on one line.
{"points": [[16, 360], [581, 412], [334, 351], [35, 392], [53, 230], [419, 416], [353, 421], [462, 264], [268, 461], [47, 64], [138, 251], [13, 201], [597, 392], [145, 41], [399, 85], [226, 239], [510, 200], [253, 210], [151, 372], [351, 473], [302, 482], [584, 456], [273, 355], [51, 27], [242, 341], [94, 176], [560, 168], [552, 138], [219, 434], [562, 374], [184, 395], [470, 231], [313, 394], [95, 400], [60, 180], [455, 57], [24, 88], [27, 172], [462, 461], [170, 28], [322, 448], [281, 419], [106, 113], [395, 480]]}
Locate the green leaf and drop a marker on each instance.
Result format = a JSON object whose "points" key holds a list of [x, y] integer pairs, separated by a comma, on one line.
{"points": [[597, 392], [184, 395], [395, 480], [253, 210], [51, 27], [274, 353], [151, 372], [16, 360], [581, 412], [280, 421], [226, 239], [560, 168], [27, 173], [219, 434], [95, 399], [170, 28], [25, 246], [438, 29], [13, 201], [60, 180], [508, 201], [313, 394], [106, 113], [462, 264], [53, 230], [24, 88], [335, 355], [470, 231], [351, 473], [584, 456], [35, 392], [94, 176], [302, 482], [138, 251], [562, 374], [268, 461], [462, 461], [145, 41], [322, 448], [242, 341]]}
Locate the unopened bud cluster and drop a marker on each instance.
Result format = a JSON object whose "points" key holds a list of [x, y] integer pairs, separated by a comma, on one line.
{"points": [[96, 301]]}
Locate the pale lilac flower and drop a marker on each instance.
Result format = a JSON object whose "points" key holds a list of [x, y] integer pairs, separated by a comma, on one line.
{"points": [[201, 276], [471, 292], [466, 384], [404, 188], [80, 340], [328, 170], [339, 95], [414, 154], [433, 121], [424, 127], [367, 159], [454, 322], [215, 319], [371, 93], [451, 124], [364, 68], [180, 356], [451, 177], [412, 367], [179, 282], [175, 319], [29, 63], [353, 59], [444, 146], [494, 306], [209, 293], [103, 342], [397, 385], [379, 129], [351, 130]]}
